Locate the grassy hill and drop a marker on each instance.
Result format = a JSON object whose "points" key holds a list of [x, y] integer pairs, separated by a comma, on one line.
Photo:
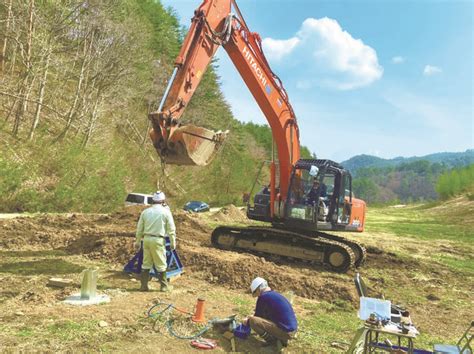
{"points": [[412, 182], [77, 83], [447, 159]]}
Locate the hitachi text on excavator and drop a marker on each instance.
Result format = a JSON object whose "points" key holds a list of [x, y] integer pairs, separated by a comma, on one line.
{"points": [[298, 212]]}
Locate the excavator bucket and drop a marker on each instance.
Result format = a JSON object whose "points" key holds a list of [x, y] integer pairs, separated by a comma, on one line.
{"points": [[192, 145]]}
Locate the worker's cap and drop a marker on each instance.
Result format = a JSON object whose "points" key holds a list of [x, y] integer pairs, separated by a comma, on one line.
{"points": [[257, 283], [159, 196]]}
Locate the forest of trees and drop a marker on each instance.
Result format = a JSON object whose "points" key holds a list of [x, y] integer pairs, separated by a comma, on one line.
{"points": [[455, 182], [411, 182], [79, 66], [77, 80], [446, 159]]}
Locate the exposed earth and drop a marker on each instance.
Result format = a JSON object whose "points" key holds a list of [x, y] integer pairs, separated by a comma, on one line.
{"points": [[34, 249]]}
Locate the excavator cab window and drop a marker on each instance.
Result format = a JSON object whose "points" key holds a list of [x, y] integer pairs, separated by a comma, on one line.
{"points": [[307, 197], [297, 205]]}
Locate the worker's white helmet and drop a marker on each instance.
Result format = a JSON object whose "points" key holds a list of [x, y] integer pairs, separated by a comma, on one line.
{"points": [[257, 283], [159, 196]]}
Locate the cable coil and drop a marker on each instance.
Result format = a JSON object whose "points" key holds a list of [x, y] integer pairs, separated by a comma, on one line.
{"points": [[159, 314], [169, 308]]}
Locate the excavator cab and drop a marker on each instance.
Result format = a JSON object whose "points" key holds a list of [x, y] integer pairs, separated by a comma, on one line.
{"points": [[319, 196]]}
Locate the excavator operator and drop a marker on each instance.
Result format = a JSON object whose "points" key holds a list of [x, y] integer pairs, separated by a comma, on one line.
{"points": [[316, 189]]}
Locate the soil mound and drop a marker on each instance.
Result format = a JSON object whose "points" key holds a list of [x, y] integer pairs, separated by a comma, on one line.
{"points": [[238, 270], [231, 213]]}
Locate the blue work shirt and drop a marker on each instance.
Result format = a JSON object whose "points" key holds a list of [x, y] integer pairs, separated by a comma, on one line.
{"points": [[276, 308]]}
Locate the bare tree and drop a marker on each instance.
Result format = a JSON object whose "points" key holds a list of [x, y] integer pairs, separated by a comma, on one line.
{"points": [[42, 87], [28, 77], [7, 28], [86, 59]]}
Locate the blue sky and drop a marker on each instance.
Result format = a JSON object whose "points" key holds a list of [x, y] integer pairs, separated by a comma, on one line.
{"points": [[386, 78]]}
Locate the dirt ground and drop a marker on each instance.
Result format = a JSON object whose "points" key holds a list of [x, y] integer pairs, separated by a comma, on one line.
{"points": [[109, 238], [34, 249]]}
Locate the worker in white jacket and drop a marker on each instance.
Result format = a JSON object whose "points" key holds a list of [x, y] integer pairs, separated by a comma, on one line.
{"points": [[156, 222]]}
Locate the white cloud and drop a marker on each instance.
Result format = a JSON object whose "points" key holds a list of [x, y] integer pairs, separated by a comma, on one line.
{"points": [[430, 70], [328, 54], [303, 84], [276, 49], [398, 60], [432, 114]]}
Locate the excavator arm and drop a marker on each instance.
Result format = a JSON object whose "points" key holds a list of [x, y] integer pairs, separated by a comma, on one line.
{"points": [[215, 25], [188, 144]]}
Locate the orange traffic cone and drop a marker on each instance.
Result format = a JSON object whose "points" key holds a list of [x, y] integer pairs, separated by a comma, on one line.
{"points": [[199, 313]]}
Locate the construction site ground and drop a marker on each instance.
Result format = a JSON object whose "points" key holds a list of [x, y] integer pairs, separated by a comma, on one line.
{"points": [[418, 256]]}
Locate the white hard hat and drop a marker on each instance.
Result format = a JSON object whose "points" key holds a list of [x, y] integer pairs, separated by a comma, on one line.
{"points": [[256, 283], [159, 196]]}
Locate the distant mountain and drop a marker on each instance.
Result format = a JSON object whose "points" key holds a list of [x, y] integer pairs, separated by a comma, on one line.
{"points": [[447, 159], [402, 179]]}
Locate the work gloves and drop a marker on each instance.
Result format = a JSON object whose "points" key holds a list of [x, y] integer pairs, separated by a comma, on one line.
{"points": [[172, 244], [138, 245]]}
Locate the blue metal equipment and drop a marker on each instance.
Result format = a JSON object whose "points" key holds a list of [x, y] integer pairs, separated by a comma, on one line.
{"points": [[174, 266]]}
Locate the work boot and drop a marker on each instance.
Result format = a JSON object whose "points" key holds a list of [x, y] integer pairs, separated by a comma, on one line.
{"points": [[269, 340], [269, 343], [280, 344], [144, 277], [164, 286]]}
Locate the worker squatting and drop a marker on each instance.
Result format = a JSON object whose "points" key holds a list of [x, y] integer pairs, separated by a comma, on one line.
{"points": [[254, 66]]}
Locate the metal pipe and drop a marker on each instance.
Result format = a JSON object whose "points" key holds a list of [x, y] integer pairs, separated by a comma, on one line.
{"points": [[272, 181], [272, 189], [273, 149], [168, 88], [291, 144]]}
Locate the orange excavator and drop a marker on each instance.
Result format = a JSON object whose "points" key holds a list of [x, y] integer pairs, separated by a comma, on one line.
{"points": [[298, 209]]}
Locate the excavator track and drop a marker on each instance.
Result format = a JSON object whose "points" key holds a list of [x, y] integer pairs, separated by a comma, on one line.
{"points": [[359, 251], [338, 256]]}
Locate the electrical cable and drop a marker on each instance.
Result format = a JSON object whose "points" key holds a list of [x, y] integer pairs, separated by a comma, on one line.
{"points": [[158, 315], [169, 325], [168, 308]]}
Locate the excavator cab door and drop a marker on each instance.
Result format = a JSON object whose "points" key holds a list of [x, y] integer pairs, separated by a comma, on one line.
{"points": [[342, 198]]}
